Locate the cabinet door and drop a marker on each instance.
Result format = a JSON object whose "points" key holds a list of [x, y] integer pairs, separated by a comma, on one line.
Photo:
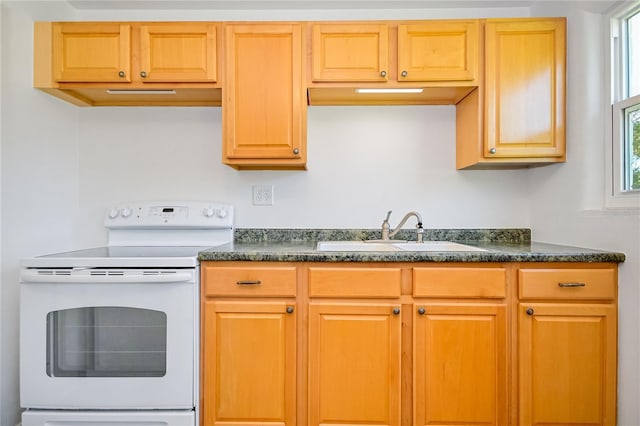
{"points": [[525, 88], [91, 52], [350, 52], [354, 364], [178, 52], [438, 51], [264, 104], [460, 365], [248, 363], [567, 364]]}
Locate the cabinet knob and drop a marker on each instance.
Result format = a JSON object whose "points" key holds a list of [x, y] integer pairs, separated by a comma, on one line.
{"points": [[289, 309], [421, 311], [529, 311], [403, 73], [143, 74], [383, 73], [396, 311], [296, 151], [121, 74], [492, 151]]}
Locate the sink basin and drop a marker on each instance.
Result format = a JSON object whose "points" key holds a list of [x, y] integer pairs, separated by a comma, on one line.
{"points": [[354, 246], [394, 246], [436, 246]]}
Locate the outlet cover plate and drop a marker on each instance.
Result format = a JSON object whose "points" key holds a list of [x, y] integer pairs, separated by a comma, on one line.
{"points": [[262, 195]]}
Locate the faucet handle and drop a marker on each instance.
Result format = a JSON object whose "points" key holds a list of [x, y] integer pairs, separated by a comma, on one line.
{"points": [[388, 216]]}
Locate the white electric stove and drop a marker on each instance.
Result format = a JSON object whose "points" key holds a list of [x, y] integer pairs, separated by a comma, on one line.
{"points": [[109, 335]]}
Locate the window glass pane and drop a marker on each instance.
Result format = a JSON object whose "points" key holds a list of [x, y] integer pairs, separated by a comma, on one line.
{"points": [[633, 46], [106, 342], [632, 148]]}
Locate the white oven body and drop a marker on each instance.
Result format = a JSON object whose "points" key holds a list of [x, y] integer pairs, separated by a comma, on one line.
{"points": [[112, 340]]}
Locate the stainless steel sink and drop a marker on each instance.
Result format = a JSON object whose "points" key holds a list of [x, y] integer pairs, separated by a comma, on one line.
{"points": [[437, 246]]}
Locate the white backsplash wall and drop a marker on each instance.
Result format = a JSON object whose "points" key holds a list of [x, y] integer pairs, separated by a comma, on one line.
{"points": [[362, 161]]}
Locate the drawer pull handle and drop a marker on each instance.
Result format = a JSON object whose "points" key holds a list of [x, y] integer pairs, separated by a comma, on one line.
{"points": [[530, 311], [249, 282], [396, 311], [421, 311], [569, 285], [289, 309]]}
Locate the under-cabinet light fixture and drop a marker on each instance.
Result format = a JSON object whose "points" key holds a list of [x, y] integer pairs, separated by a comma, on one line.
{"points": [[141, 92], [405, 90]]}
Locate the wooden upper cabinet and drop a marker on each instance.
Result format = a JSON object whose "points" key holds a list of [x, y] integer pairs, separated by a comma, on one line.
{"points": [[264, 106], [439, 51], [525, 88], [178, 52], [109, 52], [91, 52], [350, 52], [517, 117], [437, 59], [128, 63]]}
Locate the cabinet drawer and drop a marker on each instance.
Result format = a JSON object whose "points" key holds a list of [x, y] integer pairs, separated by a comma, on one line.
{"points": [[354, 282], [249, 281], [567, 283], [459, 282]]}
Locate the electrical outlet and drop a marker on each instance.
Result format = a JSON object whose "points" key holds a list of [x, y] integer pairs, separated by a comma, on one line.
{"points": [[262, 195]]}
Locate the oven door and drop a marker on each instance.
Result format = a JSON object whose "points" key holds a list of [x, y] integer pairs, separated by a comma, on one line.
{"points": [[108, 341]]}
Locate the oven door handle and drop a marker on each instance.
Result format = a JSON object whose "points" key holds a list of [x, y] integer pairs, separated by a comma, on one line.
{"points": [[32, 276]]}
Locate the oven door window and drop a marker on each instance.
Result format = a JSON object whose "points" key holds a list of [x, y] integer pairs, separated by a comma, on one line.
{"points": [[106, 342]]}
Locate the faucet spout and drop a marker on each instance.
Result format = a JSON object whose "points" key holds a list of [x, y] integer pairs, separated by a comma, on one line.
{"points": [[388, 234]]}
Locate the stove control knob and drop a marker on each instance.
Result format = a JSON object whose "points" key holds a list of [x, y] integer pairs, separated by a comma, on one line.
{"points": [[113, 213], [221, 213], [208, 212], [125, 212]]}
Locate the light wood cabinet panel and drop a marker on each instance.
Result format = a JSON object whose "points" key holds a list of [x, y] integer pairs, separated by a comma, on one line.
{"points": [[517, 118], [568, 284], [348, 282], [465, 282], [174, 52], [249, 363], [460, 364], [249, 281], [525, 88], [439, 51], [91, 52], [264, 105], [350, 52], [567, 357], [354, 364]]}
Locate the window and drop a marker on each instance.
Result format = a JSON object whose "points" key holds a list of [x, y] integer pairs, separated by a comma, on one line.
{"points": [[624, 185]]}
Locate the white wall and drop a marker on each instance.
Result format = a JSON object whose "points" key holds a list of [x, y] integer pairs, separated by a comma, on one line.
{"points": [[39, 178], [567, 200], [63, 165], [1, 8]]}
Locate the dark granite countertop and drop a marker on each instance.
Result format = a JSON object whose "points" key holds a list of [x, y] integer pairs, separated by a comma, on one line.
{"points": [[500, 245]]}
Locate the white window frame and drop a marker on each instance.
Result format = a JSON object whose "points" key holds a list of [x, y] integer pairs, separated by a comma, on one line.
{"points": [[616, 102]]}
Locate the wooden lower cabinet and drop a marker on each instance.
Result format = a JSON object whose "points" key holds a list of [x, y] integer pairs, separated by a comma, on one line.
{"points": [[567, 360], [354, 364], [248, 368], [408, 344], [460, 363]]}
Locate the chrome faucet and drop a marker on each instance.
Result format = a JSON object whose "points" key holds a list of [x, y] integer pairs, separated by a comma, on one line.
{"points": [[387, 234]]}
